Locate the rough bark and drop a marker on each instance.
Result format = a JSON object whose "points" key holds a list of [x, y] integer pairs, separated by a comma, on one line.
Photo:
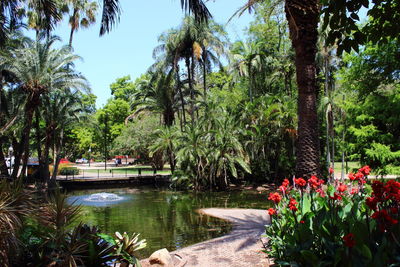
{"points": [[303, 16]]}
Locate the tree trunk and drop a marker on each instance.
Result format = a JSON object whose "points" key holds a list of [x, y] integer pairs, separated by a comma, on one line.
{"points": [[168, 117], [205, 75], [3, 165], [303, 17], [32, 102], [44, 171], [71, 35], [189, 71], [180, 93]]}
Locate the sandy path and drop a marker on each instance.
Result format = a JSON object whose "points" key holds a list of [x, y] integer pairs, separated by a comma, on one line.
{"points": [[241, 247]]}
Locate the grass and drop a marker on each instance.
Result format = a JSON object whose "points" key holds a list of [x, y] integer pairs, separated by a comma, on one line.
{"points": [[352, 165]]}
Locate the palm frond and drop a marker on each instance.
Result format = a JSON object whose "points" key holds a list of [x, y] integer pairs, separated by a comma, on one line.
{"points": [[110, 16]]}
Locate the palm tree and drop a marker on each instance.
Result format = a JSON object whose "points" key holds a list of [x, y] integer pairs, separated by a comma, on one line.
{"points": [[303, 19], [60, 108], [165, 144], [156, 95], [245, 59], [39, 69], [83, 15]]}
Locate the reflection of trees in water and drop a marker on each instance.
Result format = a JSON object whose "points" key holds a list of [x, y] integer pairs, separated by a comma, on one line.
{"points": [[165, 218]]}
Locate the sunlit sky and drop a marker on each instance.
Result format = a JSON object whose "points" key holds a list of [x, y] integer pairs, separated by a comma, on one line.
{"points": [[127, 49]]}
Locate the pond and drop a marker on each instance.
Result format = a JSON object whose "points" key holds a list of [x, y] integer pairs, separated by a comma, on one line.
{"points": [[163, 217]]}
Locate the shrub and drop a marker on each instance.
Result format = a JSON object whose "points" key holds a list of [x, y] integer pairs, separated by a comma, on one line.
{"points": [[352, 223], [69, 171]]}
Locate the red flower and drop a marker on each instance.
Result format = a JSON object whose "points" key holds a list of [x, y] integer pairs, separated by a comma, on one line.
{"points": [[365, 170], [300, 182], [331, 170], [359, 175], [321, 192], [314, 182], [292, 204], [354, 190], [384, 217], [271, 211], [351, 176], [301, 221], [336, 196], [371, 202], [342, 188], [285, 182], [275, 197], [348, 240]]}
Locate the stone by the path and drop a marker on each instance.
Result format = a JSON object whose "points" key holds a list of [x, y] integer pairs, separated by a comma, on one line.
{"points": [[241, 247], [161, 258]]}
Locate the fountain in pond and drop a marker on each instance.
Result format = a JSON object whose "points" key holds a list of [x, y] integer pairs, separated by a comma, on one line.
{"points": [[103, 197]]}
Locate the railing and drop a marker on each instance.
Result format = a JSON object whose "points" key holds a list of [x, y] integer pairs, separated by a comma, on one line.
{"points": [[111, 173]]}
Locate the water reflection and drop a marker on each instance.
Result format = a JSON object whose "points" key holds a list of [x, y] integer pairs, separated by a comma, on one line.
{"points": [[165, 218]]}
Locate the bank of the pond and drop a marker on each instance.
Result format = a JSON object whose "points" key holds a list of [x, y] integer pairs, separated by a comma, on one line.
{"points": [[240, 247]]}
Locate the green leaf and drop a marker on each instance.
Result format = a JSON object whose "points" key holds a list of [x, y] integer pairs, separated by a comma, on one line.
{"points": [[365, 251], [309, 257]]}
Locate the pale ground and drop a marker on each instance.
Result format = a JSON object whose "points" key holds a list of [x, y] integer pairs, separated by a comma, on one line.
{"points": [[241, 247]]}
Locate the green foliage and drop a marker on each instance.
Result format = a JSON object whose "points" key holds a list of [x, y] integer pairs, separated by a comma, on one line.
{"points": [[137, 137], [210, 153], [123, 88], [369, 101]]}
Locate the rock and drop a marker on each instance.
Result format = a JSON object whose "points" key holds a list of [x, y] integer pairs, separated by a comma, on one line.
{"points": [[161, 257], [261, 188]]}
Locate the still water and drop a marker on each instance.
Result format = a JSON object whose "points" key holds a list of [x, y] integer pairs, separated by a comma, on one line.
{"points": [[164, 218]]}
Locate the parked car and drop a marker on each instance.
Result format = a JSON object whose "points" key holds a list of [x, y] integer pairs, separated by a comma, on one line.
{"points": [[82, 160]]}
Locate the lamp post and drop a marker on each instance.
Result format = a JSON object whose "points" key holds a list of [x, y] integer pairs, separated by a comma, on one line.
{"points": [[90, 150], [10, 154]]}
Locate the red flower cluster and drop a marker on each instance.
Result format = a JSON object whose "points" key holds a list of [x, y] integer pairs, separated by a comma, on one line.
{"points": [[336, 196], [271, 211], [348, 240], [285, 186], [331, 170], [275, 197], [314, 182], [384, 201], [342, 188], [365, 170], [300, 182], [292, 204]]}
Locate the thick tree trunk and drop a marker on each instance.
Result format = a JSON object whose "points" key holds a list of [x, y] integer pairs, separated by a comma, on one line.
{"points": [[32, 102], [303, 16], [169, 117]]}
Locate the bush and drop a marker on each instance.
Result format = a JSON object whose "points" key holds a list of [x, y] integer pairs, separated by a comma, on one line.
{"points": [[352, 223], [69, 171]]}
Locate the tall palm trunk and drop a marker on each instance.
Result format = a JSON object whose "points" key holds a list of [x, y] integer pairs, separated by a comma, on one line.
{"points": [[303, 16], [178, 85], [189, 72], [71, 35], [32, 102], [205, 74]]}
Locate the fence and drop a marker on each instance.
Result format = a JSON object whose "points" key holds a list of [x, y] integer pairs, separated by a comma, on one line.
{"points": [[111, 173]]}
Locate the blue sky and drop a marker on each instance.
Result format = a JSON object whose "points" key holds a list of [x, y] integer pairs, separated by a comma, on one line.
{"points": [[127, 50]]}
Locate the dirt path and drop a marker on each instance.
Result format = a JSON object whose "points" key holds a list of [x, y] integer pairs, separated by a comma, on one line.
{"points": [[239, 248]]}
